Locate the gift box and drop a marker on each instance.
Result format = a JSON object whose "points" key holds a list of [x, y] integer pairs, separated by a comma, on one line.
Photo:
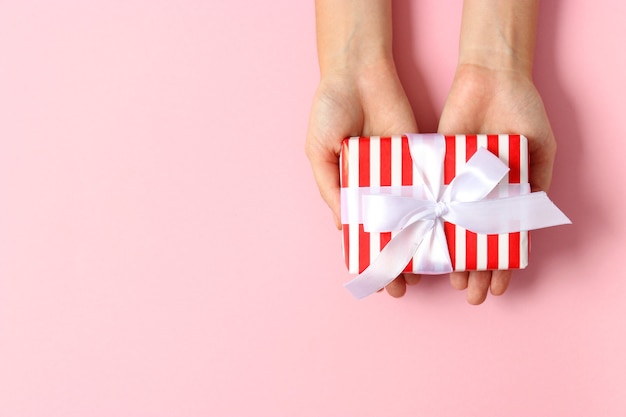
{"points": [[405, 210]]}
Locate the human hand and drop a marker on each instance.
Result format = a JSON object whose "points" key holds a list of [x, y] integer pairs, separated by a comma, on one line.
{"points": [[359, 94], [492, 100], [364, 101], [493, 92]]}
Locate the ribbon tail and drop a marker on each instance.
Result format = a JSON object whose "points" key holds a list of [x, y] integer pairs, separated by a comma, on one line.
{"points": [[433, 256], [391, 261], [506, 215]]}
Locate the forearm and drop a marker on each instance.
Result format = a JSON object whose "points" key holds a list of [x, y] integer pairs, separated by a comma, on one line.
{"points": [[353, 34], [499, 34]]}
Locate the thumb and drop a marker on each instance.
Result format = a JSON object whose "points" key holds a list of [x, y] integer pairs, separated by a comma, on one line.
{"points": [[325, 164]]}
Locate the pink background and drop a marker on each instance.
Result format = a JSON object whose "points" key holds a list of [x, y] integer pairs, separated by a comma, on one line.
{"points": [[164, 251]]}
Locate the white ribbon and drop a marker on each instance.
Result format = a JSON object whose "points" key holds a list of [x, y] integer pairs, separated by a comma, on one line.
{"points": [[466, 202]]}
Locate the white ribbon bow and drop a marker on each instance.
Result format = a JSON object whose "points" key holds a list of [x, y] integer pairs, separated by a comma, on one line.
{"points": [[419, 221]]}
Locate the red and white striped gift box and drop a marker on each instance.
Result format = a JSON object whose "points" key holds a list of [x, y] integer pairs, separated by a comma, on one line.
{"points": [[386, 162]]}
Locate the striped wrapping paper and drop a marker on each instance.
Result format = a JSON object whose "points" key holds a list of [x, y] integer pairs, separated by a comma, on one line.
{"points": [[386, 161]]}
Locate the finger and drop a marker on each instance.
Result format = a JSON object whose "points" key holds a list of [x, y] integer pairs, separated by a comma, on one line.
{"points": [[412, 279], [397, 287], [500, 281], [478, 286], [459, 280]]}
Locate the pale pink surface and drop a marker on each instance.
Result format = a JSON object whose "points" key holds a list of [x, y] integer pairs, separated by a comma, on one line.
{"points": [[164, 250]]}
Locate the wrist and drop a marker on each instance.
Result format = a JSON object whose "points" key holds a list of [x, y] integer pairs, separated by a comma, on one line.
{"points": [[361, 69], [490, 80], [499, 35], [497, 61], [353, 34]]}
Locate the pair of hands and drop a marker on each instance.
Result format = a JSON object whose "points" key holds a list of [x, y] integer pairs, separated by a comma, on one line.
{"points": [[372, 101]]}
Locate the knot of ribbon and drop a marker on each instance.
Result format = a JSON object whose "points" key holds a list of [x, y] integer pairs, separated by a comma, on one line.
{"points": [[417, 220], [441, 208]]}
